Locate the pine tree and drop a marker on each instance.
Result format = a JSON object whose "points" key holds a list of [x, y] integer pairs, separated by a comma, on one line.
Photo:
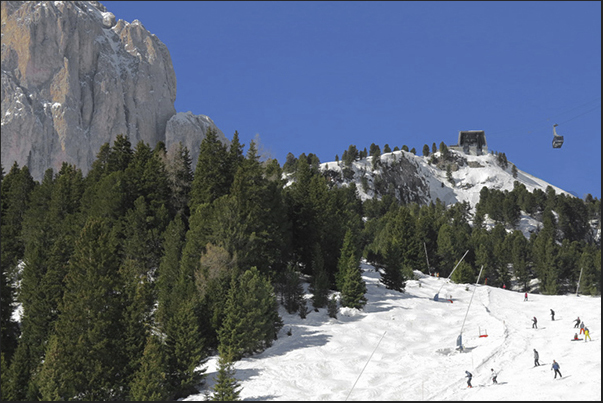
{"points": [[444, 151], [303, 216], [211, 178], [185, 350], [291, 290], [510, 209], [4, 379], [517, 247], [353, 287], [19, 385], [320, 280], [121, 154], [85, 354], [251, 320], [425, 150], [177, 162], [464, 274], [235, 156], [590, 264], [259, 207], [138, 301], [38, 235], [227, 387], [216, 270], [150, 381], [374, 150], [290, 164], [399, 248], [169, 268]]}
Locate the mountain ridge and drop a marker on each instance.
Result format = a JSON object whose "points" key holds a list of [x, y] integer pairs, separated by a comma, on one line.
{"points": [[74, 78]]}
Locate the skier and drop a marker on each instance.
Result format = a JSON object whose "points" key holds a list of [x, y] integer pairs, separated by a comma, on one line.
{"points": [[494, 375], [556, 368], [525, 298], [586, 334], [581, 327], [469, 376], [552, 315], [535, 324], [576, 336], [577, 322], [536, 363]]}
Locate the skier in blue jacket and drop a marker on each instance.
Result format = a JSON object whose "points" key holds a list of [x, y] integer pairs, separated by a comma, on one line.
{"points": [[469, 376], [555, 367]]}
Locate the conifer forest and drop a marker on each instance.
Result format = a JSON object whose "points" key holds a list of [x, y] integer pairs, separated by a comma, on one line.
{"points": [[128, 278]]}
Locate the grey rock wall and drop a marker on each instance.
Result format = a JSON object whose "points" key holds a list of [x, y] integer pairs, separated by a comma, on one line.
{"points": [[73, 78]]}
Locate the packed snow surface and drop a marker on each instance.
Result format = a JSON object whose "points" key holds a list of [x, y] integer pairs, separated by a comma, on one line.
{"points": [[402, 346]]}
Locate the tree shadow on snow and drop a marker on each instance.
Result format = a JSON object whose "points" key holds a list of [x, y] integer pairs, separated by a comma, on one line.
{"points": [[304, 338]]}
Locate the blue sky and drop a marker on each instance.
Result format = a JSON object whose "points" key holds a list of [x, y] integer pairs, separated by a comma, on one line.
{"points": [[316, 77]]}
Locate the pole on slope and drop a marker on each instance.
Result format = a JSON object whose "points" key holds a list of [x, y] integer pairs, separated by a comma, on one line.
{"points": [[354, 385], [460, 338], [579, 278], [427, 257], [435, 298]]}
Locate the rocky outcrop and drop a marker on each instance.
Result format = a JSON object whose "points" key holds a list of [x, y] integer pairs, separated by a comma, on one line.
{"points": [[189, 129], [73, 78]]}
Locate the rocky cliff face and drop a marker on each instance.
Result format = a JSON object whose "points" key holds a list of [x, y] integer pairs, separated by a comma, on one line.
{"points": [[73, 78]]}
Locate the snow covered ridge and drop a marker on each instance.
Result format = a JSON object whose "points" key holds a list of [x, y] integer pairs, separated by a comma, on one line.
{"points": [[470, 174]]}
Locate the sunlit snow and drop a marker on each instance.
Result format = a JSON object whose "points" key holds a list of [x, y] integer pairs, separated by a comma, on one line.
{"points": [[402, 346]]}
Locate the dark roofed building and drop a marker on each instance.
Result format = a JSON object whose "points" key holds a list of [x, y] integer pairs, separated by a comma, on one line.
{"points": [[471, 142]]}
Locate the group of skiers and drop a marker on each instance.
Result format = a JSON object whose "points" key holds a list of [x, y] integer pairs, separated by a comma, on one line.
{"points": [[555, 367], [583, 329], [578, 323], [469, 376]]}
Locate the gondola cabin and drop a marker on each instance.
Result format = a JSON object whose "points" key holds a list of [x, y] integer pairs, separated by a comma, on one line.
{"points": [[557, 139]]}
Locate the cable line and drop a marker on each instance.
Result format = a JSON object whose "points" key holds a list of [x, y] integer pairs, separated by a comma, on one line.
{"points": [[541, 122], [354, 385], [588, 111]]}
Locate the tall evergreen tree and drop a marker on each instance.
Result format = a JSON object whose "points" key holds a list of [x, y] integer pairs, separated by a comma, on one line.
{"points": [[211, 178], [448, 255], [291, 290], [517, 247], [169, 269], [590, 264], [150, 381], [185, 350], [216, 270], [227, 387], [399, 248], [353, 287], [320, 280], [258, 204], [177, 163], [85, 354], [16, 190], [121, 154], [425, 150], [138, 303], [464, 274], [251, 322]]}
